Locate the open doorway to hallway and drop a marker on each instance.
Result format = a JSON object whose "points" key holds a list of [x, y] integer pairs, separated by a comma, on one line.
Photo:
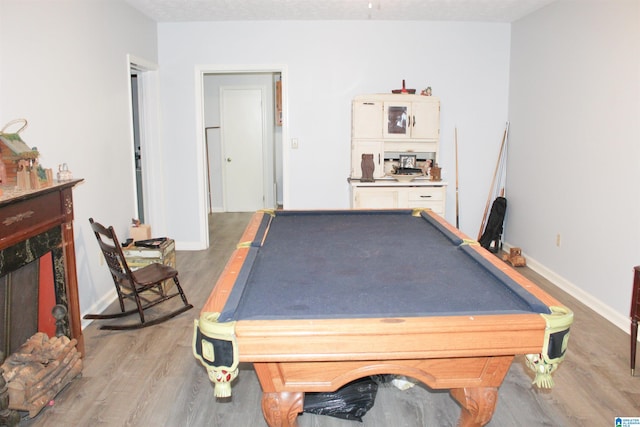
{"points": [[243, 140], [146, 155]]}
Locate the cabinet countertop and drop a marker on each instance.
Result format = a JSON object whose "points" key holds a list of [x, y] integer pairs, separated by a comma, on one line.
{"points": [[392, 182]]}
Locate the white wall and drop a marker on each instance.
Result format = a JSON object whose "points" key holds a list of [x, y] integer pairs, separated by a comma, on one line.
{"points": [[64, 68], [328, 63], [574, 155]]}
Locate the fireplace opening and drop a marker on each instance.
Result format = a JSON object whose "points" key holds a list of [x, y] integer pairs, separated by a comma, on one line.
{"points": [[27, 296], [32, 281]]}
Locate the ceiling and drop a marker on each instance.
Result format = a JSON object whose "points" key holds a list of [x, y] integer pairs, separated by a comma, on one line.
{"points": [[404, 10]]}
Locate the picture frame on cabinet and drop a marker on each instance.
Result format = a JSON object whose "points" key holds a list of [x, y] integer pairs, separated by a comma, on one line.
{"points": [[407, 161]]}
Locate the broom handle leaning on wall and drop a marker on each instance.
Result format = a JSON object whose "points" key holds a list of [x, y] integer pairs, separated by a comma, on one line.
{"points": [[457, 197], [493, 181]]}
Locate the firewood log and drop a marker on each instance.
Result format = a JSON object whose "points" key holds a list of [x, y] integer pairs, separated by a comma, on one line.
{"points": [[22, 372], [35, 406], [34, 393]]}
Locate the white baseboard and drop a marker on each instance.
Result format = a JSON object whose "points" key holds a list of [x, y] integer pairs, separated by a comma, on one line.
{"points": [[99, 306], [587, 299]]}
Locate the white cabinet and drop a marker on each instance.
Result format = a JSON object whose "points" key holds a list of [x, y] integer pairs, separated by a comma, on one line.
{"points": [[385, 125]]}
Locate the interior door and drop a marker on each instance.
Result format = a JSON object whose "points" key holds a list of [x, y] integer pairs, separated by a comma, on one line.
{"points": [[242, 131]]}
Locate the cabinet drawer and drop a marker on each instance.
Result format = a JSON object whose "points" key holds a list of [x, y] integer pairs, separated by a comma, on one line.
{"points": [[426, 194]]}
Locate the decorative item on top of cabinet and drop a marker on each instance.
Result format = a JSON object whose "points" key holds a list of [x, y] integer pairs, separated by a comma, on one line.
{"points": [[404, 90]]}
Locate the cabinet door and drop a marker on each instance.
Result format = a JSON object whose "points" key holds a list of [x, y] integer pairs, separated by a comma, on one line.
{"points": [[412, 120], [375, 198], [358, 148], [366, 119], [425, 120], [397, 117]]}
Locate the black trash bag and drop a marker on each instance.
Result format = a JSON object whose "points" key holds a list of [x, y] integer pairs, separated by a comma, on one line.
{"points": [[351, 402], [493, 230]]}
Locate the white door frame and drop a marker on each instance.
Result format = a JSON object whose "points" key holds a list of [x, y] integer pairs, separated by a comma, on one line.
{"points": [[201, 166], [149, 126]]}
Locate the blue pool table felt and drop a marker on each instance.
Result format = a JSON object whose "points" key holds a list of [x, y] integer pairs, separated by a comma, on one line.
{"points": [[355, 264]]}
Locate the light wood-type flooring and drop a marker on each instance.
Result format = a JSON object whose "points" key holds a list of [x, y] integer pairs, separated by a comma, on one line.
{"points": [[149, 377]]}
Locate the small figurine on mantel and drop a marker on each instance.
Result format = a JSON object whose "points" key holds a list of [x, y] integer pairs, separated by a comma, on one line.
{"points": [[435, 173], [64, 174]]}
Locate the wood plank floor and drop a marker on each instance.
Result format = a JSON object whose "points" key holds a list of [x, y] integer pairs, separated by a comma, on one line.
{"points": [[150, 378]]}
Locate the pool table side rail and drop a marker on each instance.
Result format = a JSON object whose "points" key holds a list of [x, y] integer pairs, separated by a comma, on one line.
{"points": [[384, 339], [499, 264], [225, 283]]}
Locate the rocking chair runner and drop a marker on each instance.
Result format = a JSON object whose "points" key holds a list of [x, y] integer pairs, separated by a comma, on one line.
{"points": [[130, 284]]}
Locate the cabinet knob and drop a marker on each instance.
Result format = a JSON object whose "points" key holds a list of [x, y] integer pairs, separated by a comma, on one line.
{"points": [[228, 159]]}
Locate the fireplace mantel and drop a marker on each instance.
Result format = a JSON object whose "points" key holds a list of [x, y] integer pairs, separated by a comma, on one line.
{"points": [[43, 219]]}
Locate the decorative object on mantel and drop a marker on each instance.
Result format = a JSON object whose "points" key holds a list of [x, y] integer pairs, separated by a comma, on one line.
{"points": [[64, 174], [19, 163], [426, 91], [436, 172], [404, 90]]}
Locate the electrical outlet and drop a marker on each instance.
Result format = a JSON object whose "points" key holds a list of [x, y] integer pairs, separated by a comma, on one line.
{"points": [[294, 143], [558, 240]]}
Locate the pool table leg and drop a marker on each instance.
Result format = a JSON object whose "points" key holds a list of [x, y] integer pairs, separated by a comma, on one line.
{"points": [[478, 404], [282, 409]]}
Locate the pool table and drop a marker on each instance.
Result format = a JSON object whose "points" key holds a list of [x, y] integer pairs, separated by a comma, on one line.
{"points": [[317, 299]]}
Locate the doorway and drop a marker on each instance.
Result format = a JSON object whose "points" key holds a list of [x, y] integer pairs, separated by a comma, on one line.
{"points": [[209, 149], [255, 171], [146, 155]]}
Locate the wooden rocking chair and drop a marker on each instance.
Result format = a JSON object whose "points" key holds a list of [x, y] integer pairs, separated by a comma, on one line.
{"points": [[130, 284]]}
